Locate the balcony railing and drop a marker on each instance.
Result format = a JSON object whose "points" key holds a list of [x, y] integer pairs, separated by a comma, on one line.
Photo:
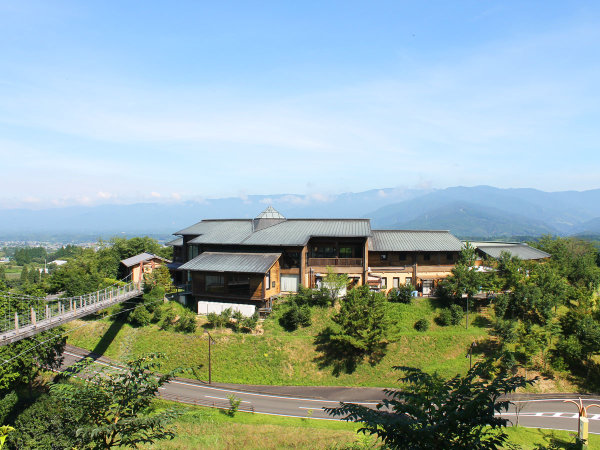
{"points": [[344, 262]]}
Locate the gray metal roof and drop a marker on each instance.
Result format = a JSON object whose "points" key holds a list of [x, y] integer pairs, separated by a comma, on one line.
{"points": [[414, 241], [518, 249], [134, 260], [178, 242], [232, 262], [288, 232]]}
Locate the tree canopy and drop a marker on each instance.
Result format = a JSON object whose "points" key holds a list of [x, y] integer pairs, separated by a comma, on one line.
{"points": [[433, 413]]}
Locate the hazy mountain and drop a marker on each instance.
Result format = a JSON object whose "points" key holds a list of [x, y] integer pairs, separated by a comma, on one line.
{"points": [[466, 211], [489, 211], [166, 218]]}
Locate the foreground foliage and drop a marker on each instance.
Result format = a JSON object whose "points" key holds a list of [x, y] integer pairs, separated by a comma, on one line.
{"points": [[111, 408], [433, 413]]}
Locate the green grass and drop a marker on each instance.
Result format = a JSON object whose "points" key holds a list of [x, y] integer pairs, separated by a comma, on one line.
{"points": [[277, 357], [203, 428], [530, 438], [210, 428]]}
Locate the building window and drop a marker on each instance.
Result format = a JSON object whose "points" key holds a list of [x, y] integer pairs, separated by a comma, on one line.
{"points": [[408, 281], [449, 256], [384, 256], [345, 252], [426, 256], [268, 279], [215, 283], [383, 282], [396, 282], [402, 256]]}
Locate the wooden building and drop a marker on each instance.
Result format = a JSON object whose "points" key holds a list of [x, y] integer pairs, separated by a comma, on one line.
{"points": [[141, 264], [252, 261]]}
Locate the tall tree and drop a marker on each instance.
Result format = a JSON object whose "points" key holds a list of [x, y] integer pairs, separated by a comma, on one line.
{"points": [[361, 321], [433, 413], [113, 405]]}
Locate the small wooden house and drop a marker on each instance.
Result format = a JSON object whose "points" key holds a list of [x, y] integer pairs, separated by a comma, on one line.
{"points": [[141, 264]]}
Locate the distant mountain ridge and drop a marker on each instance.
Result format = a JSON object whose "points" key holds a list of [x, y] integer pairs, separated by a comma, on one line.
{"points": [[465, 211]]}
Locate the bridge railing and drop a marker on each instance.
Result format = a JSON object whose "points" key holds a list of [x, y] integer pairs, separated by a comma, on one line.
{"points": [[22, 311]]}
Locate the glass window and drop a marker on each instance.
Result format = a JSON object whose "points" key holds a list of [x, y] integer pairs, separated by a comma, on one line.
{"points": [[426, 256], [384, 256], [396, 282], [268, 280], [215, 283], [402, 256], [408, 281], [449, 256], [345, 252], [383, 282]]}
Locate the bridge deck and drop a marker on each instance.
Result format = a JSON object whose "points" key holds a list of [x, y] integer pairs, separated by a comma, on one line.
{"points": [[22, 332]]}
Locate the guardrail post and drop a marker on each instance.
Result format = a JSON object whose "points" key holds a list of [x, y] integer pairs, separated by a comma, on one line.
{"points": [[47, 312], [59, 308], [16, 321], [33, 321], [71, 304]]}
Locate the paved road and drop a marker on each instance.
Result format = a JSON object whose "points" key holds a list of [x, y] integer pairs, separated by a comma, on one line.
{"points": [[304, 401]]}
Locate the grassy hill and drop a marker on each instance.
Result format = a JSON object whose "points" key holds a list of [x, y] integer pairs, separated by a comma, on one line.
{"points": [[275, 356]]}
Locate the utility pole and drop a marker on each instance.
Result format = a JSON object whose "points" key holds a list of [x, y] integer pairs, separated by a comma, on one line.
{"points": [[210, 339], [470, 354]]}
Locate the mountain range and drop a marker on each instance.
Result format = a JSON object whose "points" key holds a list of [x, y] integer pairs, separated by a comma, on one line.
{"points": [[479, 211]]}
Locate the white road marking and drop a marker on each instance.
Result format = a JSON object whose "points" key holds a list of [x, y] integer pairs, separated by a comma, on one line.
{"points": [[306, 407], [226, 399], [556, 400]]}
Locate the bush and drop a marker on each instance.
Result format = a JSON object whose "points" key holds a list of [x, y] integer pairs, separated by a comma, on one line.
{"points": [[401, 294], [422, 325], [457, 314], [159, 313], [153, 298], [236, 324], [249, 323], [187, 322], [312, 297], [295, 316], [169, 318], [140, 316], [445, 318]]}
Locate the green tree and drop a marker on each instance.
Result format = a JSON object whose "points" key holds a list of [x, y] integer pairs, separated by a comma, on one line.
{"points": [[113, 406], [335, 283], [2, 273], [401, 294], [361, 323], [433, 413], [464, 278]]}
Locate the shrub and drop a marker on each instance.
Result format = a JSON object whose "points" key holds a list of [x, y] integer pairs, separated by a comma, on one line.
{"points": [[249, 323], [457, 314], [422, 325], [158, 314], [445, 318], [312, 297], [295, 316], [401, 294], [187, 322], [234, 404], [140, 316], [236, 324], [169, 318], [152, 299]]}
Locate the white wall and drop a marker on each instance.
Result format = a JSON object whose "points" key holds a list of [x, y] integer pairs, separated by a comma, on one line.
{"points": [[205, 307]]}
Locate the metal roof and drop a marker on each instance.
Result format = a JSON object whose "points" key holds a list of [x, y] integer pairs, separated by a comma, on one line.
{"points": [[288, 232], [270, 213], [518, 249], [134, 260], [177, 242], [232, 262], [414, 241]]}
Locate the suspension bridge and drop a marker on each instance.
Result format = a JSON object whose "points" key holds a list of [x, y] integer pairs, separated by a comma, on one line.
{"points": [[25, 316]]}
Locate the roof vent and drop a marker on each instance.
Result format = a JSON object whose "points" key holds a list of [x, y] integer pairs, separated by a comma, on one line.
{"points": [[267, 218]]}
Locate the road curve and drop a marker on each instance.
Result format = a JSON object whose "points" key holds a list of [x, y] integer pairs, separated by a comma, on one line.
{"points": [[309, 401]]}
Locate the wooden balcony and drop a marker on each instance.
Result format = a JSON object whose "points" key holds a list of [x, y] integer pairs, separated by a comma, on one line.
{"points": [[335, 262]]}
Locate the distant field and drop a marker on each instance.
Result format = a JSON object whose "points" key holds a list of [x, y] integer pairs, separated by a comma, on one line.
{"points": [[275, 356]]}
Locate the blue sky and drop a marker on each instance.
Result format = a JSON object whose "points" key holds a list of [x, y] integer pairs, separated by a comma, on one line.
{"points": [[122, 101]]}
